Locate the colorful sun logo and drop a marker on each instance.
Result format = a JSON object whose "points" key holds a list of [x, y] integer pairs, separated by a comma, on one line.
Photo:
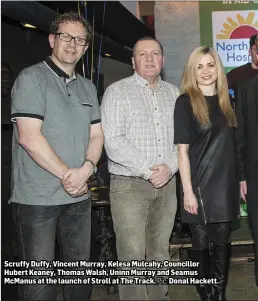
{"points": [[242, 28]]}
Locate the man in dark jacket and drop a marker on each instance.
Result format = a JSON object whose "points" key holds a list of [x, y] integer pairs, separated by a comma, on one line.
{"points": [[247, 147], [244, 72]]}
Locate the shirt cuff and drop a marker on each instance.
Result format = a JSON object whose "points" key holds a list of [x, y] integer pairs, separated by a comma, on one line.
{"points": [[25, 115], [147, 174], [95, 121]]}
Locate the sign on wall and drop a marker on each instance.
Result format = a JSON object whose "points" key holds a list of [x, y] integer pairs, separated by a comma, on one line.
{"points": [[231, 31], [227, 26]]}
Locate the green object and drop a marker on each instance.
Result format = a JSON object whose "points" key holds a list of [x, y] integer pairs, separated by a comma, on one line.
{"points": [[243, 210]]}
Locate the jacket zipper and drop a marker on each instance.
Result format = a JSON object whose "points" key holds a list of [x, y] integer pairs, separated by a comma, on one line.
{"points": [[204, 215]]}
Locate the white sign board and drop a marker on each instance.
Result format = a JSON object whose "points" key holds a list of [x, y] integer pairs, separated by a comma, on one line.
{"points": [[231, 31]]}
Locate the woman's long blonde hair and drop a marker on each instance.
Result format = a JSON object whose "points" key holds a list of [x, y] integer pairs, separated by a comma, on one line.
{"points": [[198, 101]]}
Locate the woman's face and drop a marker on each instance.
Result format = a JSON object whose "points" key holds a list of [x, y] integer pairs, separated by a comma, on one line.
{"points": [[207, 72]]}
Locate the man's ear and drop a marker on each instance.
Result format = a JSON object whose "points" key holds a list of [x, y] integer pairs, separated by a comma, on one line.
{"points": [[133, 63], [51, 39], [163, 62]]}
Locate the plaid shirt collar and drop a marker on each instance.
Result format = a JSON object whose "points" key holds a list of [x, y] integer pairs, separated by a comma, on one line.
{"points": [[143, 82]]}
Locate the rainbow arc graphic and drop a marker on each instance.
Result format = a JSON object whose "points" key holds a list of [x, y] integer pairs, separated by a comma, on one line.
{"points": [[241, 28]]}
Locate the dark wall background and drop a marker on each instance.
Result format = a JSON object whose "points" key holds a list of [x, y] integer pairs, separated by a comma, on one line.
{"points": [[22, 47]]}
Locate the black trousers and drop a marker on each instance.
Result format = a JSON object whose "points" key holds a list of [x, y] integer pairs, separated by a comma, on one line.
{"points": [[252, 205]]}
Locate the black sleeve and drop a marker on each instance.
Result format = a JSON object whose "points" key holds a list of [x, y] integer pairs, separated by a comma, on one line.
{"points": [[240, 130], [183, 118], [230, 79]]}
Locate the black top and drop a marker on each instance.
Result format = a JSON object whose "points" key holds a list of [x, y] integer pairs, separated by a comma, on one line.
{"points": [[239, 75], [212, 156], [247, 129]]}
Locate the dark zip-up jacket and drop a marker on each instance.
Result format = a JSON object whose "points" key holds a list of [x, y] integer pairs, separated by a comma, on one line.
{"points": [[247, 128]]}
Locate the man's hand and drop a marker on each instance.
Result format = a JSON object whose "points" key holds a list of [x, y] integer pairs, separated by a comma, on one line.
{"points": [[161, 175], [83, 191], [75, 179], [243, 190]]}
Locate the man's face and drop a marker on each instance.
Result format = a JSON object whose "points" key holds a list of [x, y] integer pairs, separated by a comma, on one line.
{"points": [[148, 59], [68, 52], [253, 54]]}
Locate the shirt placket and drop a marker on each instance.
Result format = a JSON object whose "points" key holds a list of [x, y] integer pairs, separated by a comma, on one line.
{"points": [[158, 125], [72, 104]]}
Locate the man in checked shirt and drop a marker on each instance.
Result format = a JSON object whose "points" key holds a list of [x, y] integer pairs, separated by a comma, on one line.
{"points": [[137, 120]]}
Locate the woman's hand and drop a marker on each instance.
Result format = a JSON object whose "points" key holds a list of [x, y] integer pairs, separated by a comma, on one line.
{"points": [[190, 203]]}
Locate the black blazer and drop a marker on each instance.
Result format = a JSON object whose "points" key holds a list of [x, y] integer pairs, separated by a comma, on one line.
{"points": [[247, 128]]}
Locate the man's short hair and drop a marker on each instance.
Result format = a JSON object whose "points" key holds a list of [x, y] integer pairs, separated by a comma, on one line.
{"points": [[72, 17], [148, 38], [252, 40]]}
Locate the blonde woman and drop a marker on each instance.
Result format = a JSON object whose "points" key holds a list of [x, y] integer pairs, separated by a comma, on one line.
{"points": [[204, 132]]}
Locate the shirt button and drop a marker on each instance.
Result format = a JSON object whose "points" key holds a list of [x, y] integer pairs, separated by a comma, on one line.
{"points": [[69, 94], [156, 109], [158, 139], [157, 123], [159, 155]]}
